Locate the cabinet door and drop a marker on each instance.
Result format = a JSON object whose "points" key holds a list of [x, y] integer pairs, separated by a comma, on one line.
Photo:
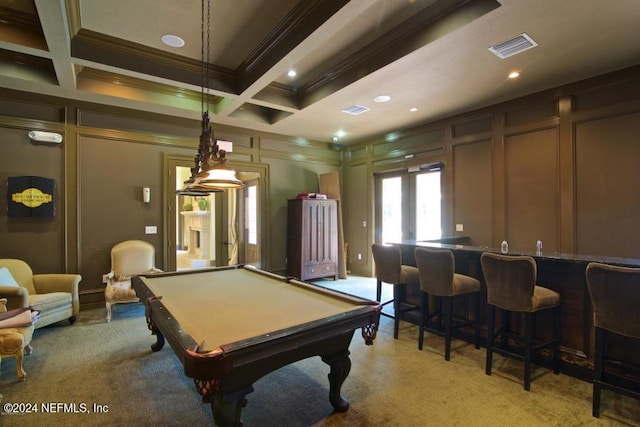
{"points": [[319, 225]]}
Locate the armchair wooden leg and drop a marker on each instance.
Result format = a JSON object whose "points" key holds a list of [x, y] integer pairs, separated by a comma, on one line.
{"points": [[12, 344], [19, 370], [108, 312]]}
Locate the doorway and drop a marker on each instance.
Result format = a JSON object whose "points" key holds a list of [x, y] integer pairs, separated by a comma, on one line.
{"points": [[408, 205], [219, 229]]}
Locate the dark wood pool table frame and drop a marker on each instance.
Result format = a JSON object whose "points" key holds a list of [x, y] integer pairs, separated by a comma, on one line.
{"points": [[225, 375]]}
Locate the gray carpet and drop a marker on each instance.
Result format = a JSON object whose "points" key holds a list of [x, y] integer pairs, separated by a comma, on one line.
{"points": [[391, 384]]}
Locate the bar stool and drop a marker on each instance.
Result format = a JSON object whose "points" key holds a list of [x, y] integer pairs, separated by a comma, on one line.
{"points": [[389, 269], [439, 279], [511, 287], [615, 292]]}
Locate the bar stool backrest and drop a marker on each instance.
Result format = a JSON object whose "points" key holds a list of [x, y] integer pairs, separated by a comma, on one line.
{"points": [[388, 259], [510, 280], [436, 268], [615, 292]]}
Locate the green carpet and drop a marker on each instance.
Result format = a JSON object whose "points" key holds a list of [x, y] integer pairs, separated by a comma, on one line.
{"points": [[391, 384]]}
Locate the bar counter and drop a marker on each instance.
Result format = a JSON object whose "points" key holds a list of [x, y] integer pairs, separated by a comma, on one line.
{"points": [[565, 274]]}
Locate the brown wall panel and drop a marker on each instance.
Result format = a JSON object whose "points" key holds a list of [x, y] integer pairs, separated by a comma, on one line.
{"points": [[473, 191], [37, 241], [471, 127], [358, 189], [532, 113], [35, 111], [531, 171], [99, 119], [602, 96], [112, 175], [608, 186], [427, 141], [359, 155]]}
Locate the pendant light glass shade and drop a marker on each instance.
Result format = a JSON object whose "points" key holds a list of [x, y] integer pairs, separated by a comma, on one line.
{"points": [[219, 177]]}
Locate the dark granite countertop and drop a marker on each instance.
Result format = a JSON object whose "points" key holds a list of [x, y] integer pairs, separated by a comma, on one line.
{"points": [[551, 256]]}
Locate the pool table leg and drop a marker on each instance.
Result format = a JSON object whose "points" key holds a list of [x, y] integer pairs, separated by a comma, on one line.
{"points": [[340, 366], [157, 346], [227, 409]]}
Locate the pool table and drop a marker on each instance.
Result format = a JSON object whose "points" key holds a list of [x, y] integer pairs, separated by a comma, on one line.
{"points": [[230, 326]]}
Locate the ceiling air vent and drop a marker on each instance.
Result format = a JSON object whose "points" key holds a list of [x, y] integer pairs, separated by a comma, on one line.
{"points": [[355, 110], [513, 46]]}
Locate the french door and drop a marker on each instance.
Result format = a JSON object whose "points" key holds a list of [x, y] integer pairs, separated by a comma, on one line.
{"points": [[408, 206]]}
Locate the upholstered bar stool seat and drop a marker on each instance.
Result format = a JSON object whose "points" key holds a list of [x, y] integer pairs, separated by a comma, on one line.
{"points": [[389, 269], [511, 287], [614, 292], [438, 278]]}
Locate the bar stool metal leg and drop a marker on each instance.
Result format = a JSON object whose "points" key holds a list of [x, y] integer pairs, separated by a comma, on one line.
{"points": [[528, 349], [491, 321]]}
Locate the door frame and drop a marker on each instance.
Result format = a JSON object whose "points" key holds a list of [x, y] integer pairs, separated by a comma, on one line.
{"points": [[168, 217]]}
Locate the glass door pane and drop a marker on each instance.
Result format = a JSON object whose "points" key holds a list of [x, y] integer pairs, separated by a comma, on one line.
{"points": [[428, 206], [252, 223], [391, 209], [408, 206]]}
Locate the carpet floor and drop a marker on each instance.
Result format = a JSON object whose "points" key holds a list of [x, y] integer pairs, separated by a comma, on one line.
{"points": [[110, 369]]}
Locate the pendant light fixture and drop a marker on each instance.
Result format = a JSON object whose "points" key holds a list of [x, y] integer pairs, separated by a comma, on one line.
{"points": [[210, 172]]}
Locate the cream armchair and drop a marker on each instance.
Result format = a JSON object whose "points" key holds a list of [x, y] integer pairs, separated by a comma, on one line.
{"points": [[55, 296], [128, 258]]}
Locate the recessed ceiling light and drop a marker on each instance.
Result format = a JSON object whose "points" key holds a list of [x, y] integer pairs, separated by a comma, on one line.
{"points": [[514, 74], [291, 73], [414, 109], [382, 98], [171, 40]]}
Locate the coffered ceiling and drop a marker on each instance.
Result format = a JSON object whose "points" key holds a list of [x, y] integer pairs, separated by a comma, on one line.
{"points": [[428, 55]]}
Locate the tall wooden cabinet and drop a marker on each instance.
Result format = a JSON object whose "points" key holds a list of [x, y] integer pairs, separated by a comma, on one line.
{"points": [[312, 238]]}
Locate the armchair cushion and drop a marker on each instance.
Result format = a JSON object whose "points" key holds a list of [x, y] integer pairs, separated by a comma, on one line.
{"points": [[52, 301], [120, 290]]}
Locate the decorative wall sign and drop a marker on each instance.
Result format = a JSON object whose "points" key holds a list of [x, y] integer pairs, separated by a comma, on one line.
{"points": [[31, 196]]}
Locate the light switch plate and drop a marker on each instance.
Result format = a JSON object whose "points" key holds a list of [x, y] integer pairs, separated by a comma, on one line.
{"points": [[150, 229]]}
